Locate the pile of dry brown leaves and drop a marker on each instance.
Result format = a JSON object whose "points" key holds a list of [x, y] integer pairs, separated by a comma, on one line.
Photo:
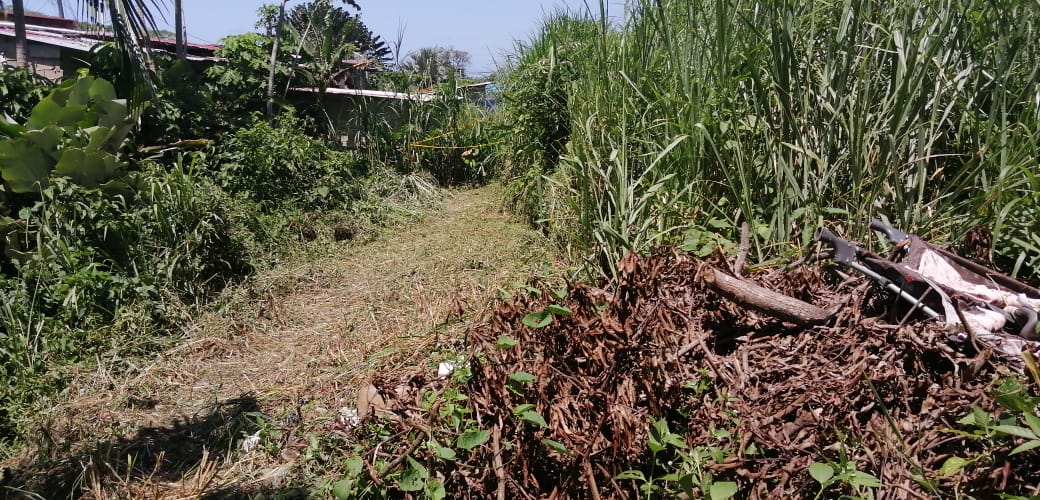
{"points": [[756, 400]]}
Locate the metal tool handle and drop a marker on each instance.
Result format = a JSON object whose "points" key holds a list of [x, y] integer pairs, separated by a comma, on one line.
{"points": [[844, 251], [894, 235]]}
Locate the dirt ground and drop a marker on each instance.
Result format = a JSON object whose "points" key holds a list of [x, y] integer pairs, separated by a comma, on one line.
{"points": [[303, 339]]}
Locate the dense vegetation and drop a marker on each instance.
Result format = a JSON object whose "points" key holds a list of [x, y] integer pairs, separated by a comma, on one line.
{"points": [[117, 229], [690, 118]]}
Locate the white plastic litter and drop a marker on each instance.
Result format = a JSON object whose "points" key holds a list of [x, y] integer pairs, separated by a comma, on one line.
{"points": [[349, 417], [446, 368], [251, 442]]}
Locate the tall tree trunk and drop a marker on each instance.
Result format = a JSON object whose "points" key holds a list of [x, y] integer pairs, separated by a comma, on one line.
{"points": [[274, 60], [178, 21], [21, 52]]}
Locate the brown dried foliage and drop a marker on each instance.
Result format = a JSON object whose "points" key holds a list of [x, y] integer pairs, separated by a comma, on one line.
{"points": [[787, 394]]}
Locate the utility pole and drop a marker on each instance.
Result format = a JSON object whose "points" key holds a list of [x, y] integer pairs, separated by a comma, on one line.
{"points": [[21, 52], [178, 22], [61, 9], [274, 61]]}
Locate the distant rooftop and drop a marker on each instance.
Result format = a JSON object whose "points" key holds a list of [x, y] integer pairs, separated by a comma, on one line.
{"points": [[65, 33]]}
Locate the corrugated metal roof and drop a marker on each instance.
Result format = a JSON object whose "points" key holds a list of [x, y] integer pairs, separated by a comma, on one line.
{"points": [[376, 94], [84, 41], [50, 38]]}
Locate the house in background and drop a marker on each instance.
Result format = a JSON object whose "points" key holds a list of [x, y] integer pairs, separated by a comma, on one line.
{"points": [[57, 49]]}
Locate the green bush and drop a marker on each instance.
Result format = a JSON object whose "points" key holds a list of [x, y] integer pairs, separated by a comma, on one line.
{"points": [[80, 259], [279, 166], [20, 91]]}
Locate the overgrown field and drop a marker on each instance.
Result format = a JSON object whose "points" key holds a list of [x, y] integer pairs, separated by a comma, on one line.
{"points": [[117, 232], [684, 119]]}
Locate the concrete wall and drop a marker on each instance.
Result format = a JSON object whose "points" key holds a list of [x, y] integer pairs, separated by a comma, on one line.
{"points": [[47, 61]]}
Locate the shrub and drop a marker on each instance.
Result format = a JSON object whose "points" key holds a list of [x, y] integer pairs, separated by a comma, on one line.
{"points": [[20, 91], [279, 166]]}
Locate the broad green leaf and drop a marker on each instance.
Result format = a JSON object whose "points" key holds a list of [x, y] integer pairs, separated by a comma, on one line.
{"points": [[558, 310], [1024, 447], [414, 477], [631, 474], [534, 418], [722, 490], [556, 446], [505, 342], [821, 472], [445, 453], [343, 489], [355, 465], [953, 465], [47, 139], [472, 438], [435, 490], [522, 377], [539, 319], [25, 168], [88, 169]]}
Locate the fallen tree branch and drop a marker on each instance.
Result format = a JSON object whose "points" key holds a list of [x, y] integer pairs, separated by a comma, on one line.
{"points": [[764, 300]]}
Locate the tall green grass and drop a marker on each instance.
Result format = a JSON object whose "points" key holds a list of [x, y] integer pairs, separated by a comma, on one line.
{"points": [[690, 117]]}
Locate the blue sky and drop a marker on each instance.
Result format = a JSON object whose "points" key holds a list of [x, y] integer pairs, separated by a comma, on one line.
{"points": [[486, 29]]}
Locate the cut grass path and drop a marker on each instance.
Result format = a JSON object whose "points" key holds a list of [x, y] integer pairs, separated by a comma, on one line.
{"points": [[300, 341]]}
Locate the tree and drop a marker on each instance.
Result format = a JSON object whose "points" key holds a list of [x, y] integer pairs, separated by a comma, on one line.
{"points": [[458, 60], [131, 22], [274, 52], [434, 65], [347, 26]]}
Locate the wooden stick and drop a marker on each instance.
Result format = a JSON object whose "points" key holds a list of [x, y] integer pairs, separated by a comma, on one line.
{"points": [[500, 471], [745, 247], [764, 300], [590, 476]]}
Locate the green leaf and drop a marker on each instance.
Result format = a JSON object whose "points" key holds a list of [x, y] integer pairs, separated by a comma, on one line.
{"points": [[821, 472], [472, 438], [522, 408], [1033, 421], [445, 453], [556, 446], [1014, 395], [860, 478], [953, 465], [722, 490], [558, 310], [631, 474], [435, 490], [1014, 430], [355, 466], [522, 377], [414, 477], [343, 489], [534, 418], [539, 319], [1024, 447], [505, 342], [25, 168], [86, 168]]}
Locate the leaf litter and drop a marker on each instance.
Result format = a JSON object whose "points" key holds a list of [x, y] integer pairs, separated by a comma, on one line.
{"points": [[567, 386]]}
